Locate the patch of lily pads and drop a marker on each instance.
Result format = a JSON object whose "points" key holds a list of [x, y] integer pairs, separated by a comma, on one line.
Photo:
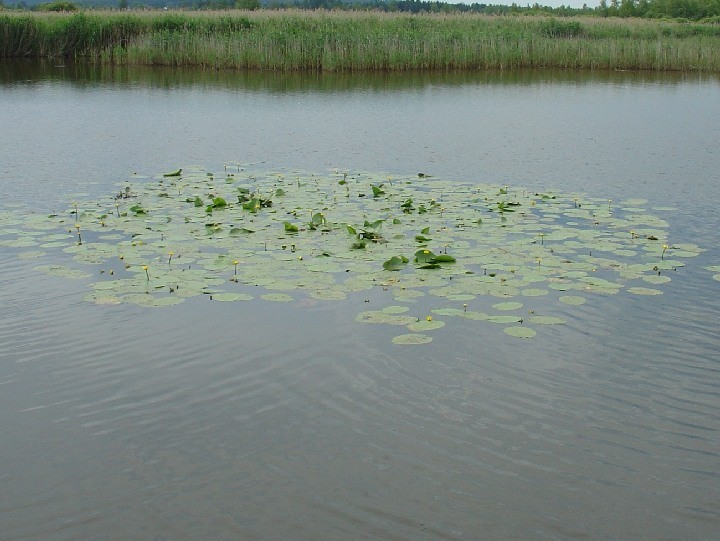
{"points": [[432, 244]]}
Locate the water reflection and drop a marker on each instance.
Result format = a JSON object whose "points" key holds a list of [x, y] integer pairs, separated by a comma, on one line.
{"points": [[24, 71]]}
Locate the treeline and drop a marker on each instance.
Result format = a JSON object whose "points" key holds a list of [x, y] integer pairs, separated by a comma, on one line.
{"points": [[656, 9], [675, 9]]}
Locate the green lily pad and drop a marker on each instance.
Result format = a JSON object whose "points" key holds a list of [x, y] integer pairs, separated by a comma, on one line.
{"points": [[328, 294], [412, 339], [503, 319], [378, 316], [533, 292], [276, 297], [644, 291], [395, 309], [507, 306], [520, 332], [62, 271], [100, 299], [449, 312], [197, 232], [425, 325]]}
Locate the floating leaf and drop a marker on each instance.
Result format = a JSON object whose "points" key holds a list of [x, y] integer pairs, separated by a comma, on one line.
{"points": [[425, 325], [520, 332], [395, 309], [507, 305], [533, 292], [276, 297], [449, 312], [444, 258], [106, 300], [644, 291], [378, 316], [412, 339], [64, 272], [395, 263], [503, 319], [328, 294], [530, 243]]}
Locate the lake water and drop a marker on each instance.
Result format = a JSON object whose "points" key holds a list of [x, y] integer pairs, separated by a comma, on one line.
{"points": [[269, 420]]}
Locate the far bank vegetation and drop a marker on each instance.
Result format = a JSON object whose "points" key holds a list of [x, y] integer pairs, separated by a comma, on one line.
{"points": [[353, 41]]}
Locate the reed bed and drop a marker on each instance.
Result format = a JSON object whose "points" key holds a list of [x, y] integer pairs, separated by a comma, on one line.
{"points": [[355, 41]]}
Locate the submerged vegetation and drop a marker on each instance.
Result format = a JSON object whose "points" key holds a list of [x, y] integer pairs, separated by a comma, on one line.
{"points": [[426, 250], [344, 41]]}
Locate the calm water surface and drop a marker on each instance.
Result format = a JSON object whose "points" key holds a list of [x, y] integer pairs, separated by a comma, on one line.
{"points": [[258, 421]]}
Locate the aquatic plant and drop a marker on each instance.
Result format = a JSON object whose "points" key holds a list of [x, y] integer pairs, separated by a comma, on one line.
{"points": [[351, 41], [481, 247]]}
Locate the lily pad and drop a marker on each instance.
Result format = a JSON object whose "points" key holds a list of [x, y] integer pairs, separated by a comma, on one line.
{"points": [[64, 272], [425, 325], [644, 291], [276, 297], [163, 239], [534, 292], [378, 316], [328, 294], [520, 332], [503, 319], [395, 309], [412, 339], [507, 306]]}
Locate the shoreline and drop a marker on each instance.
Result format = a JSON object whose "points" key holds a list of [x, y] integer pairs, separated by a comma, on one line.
{"points": [[294, 40]]}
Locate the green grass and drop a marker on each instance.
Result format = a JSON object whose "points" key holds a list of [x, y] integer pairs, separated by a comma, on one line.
{"points": [[349, 41]]}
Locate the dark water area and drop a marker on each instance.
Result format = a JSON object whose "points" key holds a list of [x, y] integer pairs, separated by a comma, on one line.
{"points": [[263, 420]]}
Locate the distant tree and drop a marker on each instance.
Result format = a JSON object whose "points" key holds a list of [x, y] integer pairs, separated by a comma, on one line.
{"points": [[60, 5], [247, 4], [627, 8], [122, 4]]}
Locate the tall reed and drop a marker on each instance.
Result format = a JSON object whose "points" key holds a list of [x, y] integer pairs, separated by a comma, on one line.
{"points": [[350, 41]]}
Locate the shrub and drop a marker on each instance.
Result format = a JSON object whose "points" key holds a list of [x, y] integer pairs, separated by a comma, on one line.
{"points": [[554, 28], [60, 5]]}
